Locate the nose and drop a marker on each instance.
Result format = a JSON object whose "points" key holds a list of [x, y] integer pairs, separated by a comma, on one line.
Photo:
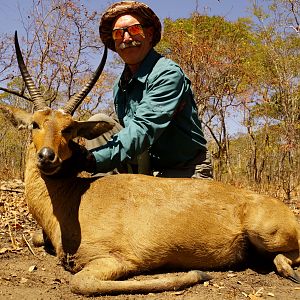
{"points": [[127, 37], [46, 155]]}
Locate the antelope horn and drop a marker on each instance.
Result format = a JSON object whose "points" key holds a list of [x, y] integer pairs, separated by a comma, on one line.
{"points": [[35, 94], [76, 100]]}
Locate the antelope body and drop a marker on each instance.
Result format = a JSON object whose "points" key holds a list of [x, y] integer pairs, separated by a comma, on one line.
{"points": [[108, 229]]}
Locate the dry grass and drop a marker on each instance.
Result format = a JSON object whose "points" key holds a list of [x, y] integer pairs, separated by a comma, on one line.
{"points": [[17, 225]]}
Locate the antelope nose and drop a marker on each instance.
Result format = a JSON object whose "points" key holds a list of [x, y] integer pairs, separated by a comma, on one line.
{"points": [[46, 155]]}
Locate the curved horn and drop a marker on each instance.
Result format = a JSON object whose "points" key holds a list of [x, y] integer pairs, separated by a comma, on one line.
{"points": [[76, 100], [36, 96]]}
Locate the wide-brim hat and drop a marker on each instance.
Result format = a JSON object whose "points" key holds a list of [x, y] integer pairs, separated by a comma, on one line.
{"points": [[139, 9]]}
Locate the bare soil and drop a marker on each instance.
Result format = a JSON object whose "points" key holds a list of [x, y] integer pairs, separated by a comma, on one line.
{"points": [[31, 273]]}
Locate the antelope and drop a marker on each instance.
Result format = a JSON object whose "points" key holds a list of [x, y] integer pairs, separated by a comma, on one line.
{"points": [[107, 229]]}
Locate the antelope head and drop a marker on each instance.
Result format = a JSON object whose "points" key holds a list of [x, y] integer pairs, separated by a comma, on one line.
{"points": [[53, 130]]}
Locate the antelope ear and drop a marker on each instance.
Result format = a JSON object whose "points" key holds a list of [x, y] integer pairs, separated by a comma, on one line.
{"points": [[17, 116], [93, 129]]}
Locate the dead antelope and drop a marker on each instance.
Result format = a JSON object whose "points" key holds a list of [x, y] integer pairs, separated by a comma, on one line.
{"points": [[108, 229]]}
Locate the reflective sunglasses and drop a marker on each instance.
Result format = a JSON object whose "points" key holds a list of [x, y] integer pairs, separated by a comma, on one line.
{"points": [[135, 29]]}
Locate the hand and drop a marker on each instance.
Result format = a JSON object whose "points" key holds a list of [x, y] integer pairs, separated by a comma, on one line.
{"points": [[83, 159]]}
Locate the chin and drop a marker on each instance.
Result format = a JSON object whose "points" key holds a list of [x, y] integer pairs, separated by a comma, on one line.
{"points": [[132, 56], [129, 61]]}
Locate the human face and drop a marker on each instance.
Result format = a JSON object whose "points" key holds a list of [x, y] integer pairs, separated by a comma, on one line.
{"points": [[132, 48]]}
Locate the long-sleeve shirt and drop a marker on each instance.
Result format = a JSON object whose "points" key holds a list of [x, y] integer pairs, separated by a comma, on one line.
{"points": [[158, 112]]}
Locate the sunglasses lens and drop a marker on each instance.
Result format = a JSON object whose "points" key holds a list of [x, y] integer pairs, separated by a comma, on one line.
{"points": [[117, 34], [135, 29]]}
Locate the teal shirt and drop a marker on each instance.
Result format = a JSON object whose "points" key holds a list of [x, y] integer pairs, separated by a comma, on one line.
{"points": [[158, 112]]}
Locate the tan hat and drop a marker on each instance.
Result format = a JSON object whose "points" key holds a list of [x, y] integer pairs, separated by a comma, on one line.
{"points": [[141, 10]]}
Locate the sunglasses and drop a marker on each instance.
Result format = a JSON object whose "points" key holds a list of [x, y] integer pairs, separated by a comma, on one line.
{"points": [[135, 29]]}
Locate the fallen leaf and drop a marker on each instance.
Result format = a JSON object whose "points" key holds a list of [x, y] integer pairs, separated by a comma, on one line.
{"points": [[56, 281], [32, 268], [253, 297], [259, 292], [6, 278], [3, 250], [179, 293], [206, 283]]}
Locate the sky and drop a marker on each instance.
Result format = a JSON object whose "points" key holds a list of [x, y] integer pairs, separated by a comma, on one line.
{"points": [[10, 19]]}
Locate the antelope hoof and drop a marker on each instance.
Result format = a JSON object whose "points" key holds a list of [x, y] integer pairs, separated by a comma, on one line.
{"points": [[203, 276], [40, 239], [294, 277]]}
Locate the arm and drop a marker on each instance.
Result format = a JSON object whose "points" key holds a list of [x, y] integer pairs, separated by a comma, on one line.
{"points": [[154, 113]]}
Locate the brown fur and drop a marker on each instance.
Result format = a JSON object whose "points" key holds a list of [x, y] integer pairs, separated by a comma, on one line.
{"points": [[110, 228]]}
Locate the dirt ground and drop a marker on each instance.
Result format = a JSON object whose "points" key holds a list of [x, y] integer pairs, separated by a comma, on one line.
{"points": [[31, 273]]}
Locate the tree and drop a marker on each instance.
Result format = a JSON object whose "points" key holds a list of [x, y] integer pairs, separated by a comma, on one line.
{"points": [[253, 68], [62, 49], [276, 91], [212, 52], [62, 46]]}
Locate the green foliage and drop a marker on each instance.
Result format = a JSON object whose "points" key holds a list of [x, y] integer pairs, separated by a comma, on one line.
{"points": [[255, 70]]}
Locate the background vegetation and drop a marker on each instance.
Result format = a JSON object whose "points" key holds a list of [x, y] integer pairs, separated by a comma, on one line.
{"points": [[246, 70]]}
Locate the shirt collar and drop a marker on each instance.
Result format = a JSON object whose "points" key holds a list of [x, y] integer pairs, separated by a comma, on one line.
{"points": [[146, 66]]}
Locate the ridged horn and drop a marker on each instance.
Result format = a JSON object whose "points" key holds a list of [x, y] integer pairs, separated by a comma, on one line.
{"points": [[76, 100], [35, 94]]}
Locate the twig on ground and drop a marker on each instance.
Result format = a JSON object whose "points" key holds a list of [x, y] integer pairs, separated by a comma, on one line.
{"points": [[28, 245]]}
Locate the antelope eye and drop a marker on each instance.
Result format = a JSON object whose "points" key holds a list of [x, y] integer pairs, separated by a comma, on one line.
{"points": [[35, 125]]}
